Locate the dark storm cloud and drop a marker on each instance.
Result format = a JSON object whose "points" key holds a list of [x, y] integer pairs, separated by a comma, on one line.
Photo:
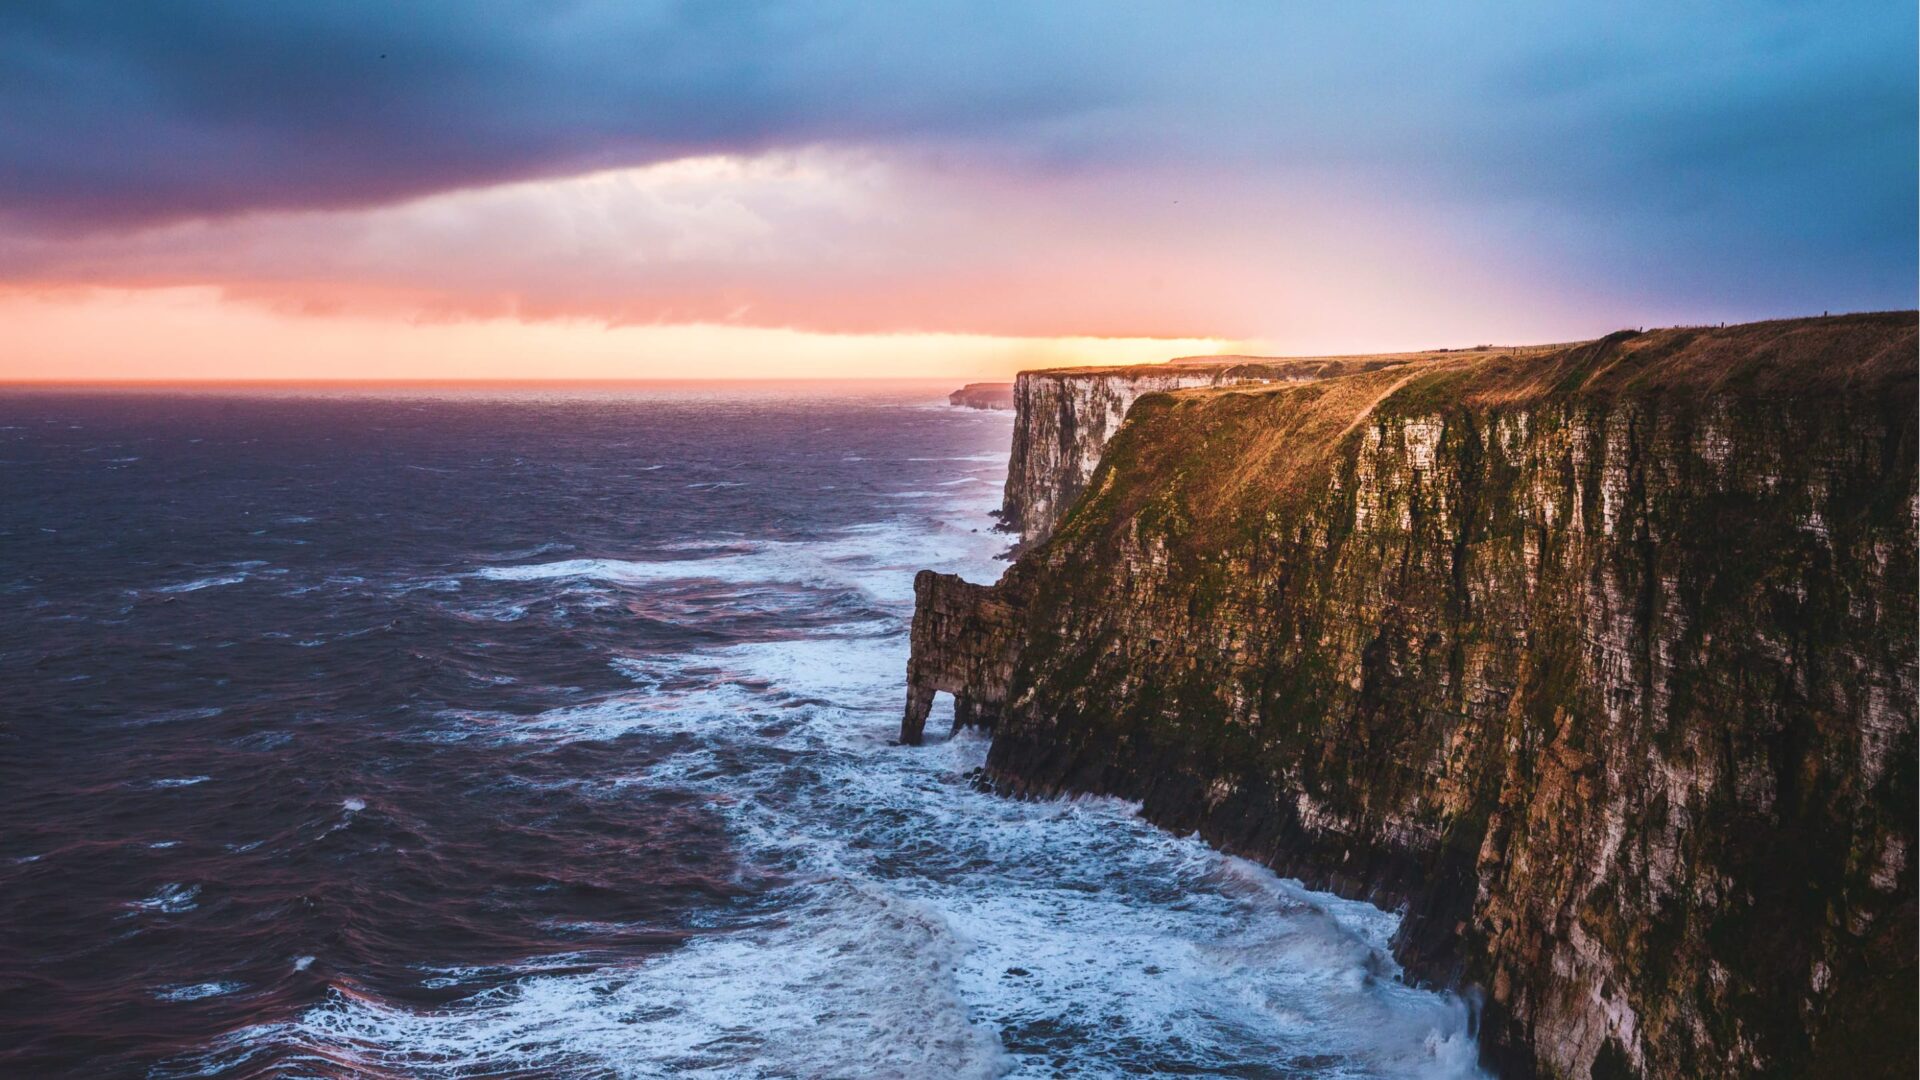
{"points": [[116, 113], [1680, 140]]}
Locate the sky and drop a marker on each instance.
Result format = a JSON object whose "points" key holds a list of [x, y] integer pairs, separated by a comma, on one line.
{"points": [[583, 189]]}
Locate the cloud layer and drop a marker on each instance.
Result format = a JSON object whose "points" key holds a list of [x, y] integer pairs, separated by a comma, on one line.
{"points": [[1219, 169]]}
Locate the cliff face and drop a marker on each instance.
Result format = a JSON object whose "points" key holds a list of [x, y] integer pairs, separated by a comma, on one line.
{"points": [[1600, 661], [1063, 419]]}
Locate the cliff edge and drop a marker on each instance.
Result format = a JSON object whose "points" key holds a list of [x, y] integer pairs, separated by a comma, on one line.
{"points": [[1599, 660]]}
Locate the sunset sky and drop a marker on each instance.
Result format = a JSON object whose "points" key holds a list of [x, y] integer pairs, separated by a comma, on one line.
{"points": [[638, 190]]}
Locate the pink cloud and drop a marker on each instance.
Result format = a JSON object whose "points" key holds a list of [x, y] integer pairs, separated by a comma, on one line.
{"points": [[851, 242]]}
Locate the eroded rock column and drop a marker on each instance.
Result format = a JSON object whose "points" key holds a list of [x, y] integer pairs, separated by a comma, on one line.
{"points": [[963, 637]]}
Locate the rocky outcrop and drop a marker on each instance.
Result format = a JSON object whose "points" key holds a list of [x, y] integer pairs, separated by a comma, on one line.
{"points": [[963, 639], [983, 395], [1598, 662], [1064, 417]]}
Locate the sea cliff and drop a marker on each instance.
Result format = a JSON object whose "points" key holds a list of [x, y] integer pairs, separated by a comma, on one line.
{"points": [[1597, 660]]}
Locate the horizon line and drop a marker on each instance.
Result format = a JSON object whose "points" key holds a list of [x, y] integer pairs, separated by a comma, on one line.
{"points": [[24, 384]]}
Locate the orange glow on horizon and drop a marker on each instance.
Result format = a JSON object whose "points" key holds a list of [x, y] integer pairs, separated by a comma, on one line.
{"points": [[196, 334], [808, 264]]}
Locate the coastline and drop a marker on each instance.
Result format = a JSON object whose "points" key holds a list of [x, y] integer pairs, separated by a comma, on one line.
{"points": [[1464, 641]]}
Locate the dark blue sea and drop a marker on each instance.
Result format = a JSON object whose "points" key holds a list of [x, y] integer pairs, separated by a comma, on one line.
{"points": [[520, 733]]}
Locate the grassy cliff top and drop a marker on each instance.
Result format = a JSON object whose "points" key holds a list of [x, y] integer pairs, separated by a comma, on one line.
{"points": [[1181, 365], [1820, 355], [1231, 359], [1219, 445], [1782, 354]]}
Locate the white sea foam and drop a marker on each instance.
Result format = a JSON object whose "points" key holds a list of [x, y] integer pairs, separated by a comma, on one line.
{"points": [[857, 982], [620, 570], [931, 929], [196, 991], [202, 583], [879, 560], [172, 899]]}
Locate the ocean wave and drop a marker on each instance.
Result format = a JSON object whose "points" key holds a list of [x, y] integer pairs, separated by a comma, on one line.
{"points": [[197, 584], [174, 716], [197, 991], [857, 982], [879, 560], [172, 899]]}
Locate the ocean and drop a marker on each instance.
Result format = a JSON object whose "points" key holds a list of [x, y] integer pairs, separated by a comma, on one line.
{"points": [[529, 733]]}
